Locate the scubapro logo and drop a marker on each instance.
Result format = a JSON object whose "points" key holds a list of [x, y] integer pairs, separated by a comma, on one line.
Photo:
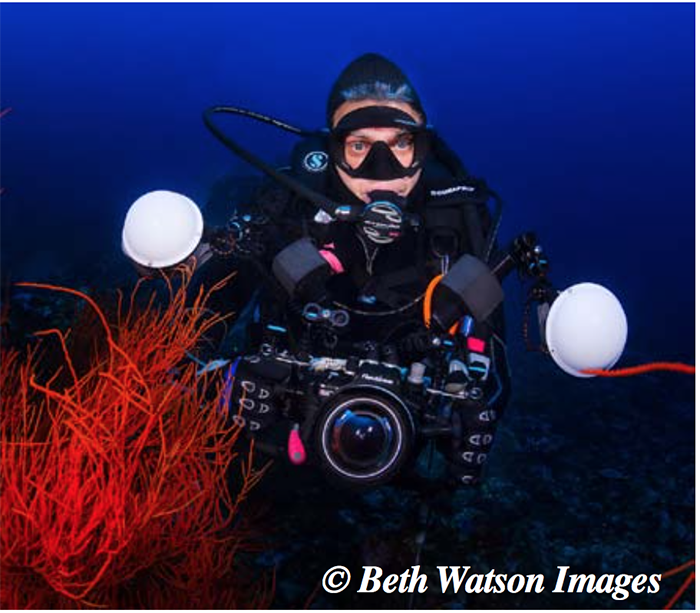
{"points": [[451, 190], [315, 161], [382, 222]]}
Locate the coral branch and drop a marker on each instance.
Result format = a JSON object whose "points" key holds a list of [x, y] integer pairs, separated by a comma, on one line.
{"points": [[687, 369], [678, 569], [681, 590], [115, 478]]}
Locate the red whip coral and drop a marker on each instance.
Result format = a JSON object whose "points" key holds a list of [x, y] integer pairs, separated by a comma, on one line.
{"points": [[117, 479]]}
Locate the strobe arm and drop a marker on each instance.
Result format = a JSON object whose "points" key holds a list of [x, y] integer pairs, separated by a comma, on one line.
{"points": [[526, 255], [471, 287]]}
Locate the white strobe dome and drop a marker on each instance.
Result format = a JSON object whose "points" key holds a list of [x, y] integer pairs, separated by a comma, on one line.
{"points": [[586, 328], [161, 229]]}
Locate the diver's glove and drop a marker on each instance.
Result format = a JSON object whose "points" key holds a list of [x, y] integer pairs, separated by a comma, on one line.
{"points": [[471, 450], [476, 423], [255, 385]]}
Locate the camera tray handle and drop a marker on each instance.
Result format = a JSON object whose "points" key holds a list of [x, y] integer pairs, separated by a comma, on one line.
{"points": [[315, 313]]}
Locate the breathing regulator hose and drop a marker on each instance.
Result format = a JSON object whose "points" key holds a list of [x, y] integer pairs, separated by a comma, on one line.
{"points": [[332, 208]]}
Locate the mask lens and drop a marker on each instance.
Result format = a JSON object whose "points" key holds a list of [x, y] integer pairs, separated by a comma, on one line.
{"points": [[357, 146], [379, 143], [355, 150], [404, 148]]}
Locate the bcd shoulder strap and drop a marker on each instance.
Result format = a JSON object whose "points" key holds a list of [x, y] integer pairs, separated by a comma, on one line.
{"points": [[456, 203]]}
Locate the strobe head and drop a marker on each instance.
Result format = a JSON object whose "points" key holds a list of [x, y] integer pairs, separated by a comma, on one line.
{"points": [[364, 437], [586, 329], [161, 229]]}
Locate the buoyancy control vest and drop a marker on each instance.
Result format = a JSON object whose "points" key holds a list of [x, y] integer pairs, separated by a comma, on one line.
{"points": [[451, 205]]}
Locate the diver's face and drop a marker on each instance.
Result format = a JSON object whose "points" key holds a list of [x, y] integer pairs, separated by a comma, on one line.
{"points": [[359, 143]]}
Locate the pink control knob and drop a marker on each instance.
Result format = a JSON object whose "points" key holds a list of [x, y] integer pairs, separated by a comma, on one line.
{"points": [[295, 448]]}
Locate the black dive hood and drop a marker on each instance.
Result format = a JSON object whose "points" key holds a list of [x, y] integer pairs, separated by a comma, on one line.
{"points": [[342, 212]]}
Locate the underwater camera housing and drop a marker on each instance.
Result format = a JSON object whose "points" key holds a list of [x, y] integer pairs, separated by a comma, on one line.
{"points": [[364, 415], [364, 418], [363, 412]]}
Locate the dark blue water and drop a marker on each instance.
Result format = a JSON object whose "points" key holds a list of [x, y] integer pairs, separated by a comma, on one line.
{"points": [[580, 116]]}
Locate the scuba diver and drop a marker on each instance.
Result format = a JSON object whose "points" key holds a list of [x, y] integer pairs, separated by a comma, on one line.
{"points": [[379, 148], [374, 249]]}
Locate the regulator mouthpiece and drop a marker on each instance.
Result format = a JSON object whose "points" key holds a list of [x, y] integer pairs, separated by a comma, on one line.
{"points": [[161, 229], [382, 220], [586, 328]]}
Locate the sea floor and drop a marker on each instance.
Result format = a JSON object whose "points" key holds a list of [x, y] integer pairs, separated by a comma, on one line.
{"points": [[594, 474]]}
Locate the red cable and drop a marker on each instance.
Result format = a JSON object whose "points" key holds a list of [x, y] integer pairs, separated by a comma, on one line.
{"points": [[644, 368]]}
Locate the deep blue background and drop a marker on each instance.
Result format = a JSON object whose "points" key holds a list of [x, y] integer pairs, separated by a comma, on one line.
{"points": [[581, 116]]}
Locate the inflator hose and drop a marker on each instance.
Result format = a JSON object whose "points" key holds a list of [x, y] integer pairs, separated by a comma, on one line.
{"points": [[428, 304]]}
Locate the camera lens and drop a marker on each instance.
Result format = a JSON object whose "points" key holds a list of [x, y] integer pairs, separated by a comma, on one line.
{"points": [[361, 438], [364, 439]]}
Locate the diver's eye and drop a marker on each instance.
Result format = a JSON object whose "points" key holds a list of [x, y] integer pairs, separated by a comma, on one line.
{"points": [[404, 142], [356, 151], [357, 146]]}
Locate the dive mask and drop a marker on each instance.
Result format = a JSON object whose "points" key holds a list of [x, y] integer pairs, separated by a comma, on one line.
{"points": [[400, 157]]}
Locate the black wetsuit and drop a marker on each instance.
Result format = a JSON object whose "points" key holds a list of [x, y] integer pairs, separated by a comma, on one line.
{"points": [[381, 286]]}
